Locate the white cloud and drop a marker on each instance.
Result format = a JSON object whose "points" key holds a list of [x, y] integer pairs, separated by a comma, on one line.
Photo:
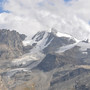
{"points": [[30, 16]]}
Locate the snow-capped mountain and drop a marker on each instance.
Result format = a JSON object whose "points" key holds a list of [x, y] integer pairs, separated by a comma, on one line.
{"points": [[61, 55], [71, 24], [50, 41]]}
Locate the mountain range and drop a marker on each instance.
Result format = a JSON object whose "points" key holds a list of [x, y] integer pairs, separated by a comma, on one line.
{"points": [[50, 60]]}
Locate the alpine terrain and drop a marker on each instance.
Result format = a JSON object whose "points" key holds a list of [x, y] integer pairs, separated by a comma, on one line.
{"points": [[50, 60]]}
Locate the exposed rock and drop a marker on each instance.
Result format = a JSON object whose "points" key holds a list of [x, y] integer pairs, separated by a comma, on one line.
{"points": [[50, 62], [51, 41], [69, 75], [53, 46], [72, 56], [11, 44], [27, 48], [57, 71], [38, 36]]}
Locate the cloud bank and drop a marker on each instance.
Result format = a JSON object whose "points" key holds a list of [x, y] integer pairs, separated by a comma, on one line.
{"points": [[30, 16]]}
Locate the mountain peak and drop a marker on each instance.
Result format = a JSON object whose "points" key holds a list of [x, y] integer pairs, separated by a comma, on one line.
{"points": [[46, 41], [54, 31]]}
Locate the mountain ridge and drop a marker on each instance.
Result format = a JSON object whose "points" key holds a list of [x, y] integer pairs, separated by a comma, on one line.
{"points": [[11, 45], [54, 61]]}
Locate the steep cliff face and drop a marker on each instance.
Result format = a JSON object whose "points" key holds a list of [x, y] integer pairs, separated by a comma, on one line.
{"points": [[11, 44]]}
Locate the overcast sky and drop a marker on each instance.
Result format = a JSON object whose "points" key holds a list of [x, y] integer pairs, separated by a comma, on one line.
{"points": [[30, 16]]}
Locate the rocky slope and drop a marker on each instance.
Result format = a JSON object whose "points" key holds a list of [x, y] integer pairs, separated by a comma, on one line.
{"points": [[71, 68], [11, 45], [53, 60], [57, 61]]}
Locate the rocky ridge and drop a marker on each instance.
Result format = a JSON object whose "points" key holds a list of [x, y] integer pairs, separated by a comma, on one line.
{"points": [[11, 45]]}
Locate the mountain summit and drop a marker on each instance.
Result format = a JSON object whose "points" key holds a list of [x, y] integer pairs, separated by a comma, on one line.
{"points": [[46, 41]]}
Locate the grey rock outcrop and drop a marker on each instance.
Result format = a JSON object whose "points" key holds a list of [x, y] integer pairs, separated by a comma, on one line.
{"points": [[11, 45]]}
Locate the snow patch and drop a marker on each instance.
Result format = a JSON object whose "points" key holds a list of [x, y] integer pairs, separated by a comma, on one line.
{"points": [[63, 35], [67, 47], [84, 46], [26, 42]]}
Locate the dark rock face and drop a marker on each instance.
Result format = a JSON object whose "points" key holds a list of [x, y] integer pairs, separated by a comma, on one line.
{"points": [[38, 36], [27, 48], [69, 76], [53, 46], [23, 36], [52, 61], [11, 44], [49, 62], [72, 56], [72, 79]]}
